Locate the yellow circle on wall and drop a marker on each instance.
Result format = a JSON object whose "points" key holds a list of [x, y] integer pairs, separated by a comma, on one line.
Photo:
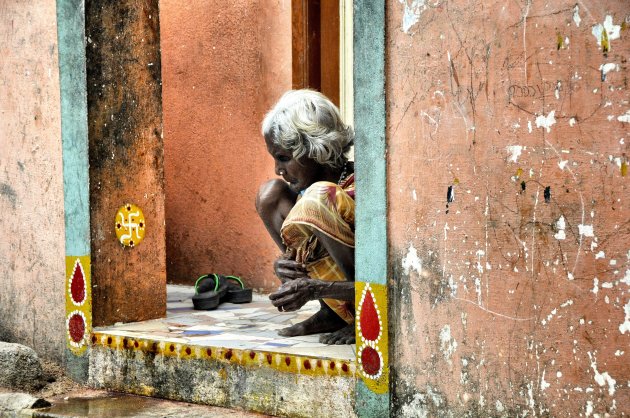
{"points": [[130, 225]]}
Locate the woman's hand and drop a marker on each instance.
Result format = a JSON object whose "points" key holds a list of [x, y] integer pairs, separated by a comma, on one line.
{"points": [[293, 294], [287, 269]]}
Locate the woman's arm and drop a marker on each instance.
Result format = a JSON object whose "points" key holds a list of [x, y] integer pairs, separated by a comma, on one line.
{"points": [[293, 294], [341, 254]]}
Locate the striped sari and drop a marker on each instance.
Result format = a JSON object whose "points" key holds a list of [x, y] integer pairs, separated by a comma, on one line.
{"points": [[328, 208]]}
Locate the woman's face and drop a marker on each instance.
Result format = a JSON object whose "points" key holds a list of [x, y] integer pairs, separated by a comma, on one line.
{"points": [[299, 174]]}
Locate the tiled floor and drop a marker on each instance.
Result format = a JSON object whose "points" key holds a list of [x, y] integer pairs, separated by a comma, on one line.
{"points": [[251, 326]]}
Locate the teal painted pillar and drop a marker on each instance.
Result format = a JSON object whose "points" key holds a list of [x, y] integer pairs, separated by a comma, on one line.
{"points": [[372, 395], [72, 76]]}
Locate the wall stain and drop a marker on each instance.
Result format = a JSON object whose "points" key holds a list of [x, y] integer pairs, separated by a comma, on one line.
{"points": [[8, 192]]}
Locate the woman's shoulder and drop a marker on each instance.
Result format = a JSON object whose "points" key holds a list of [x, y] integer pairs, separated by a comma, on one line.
{"points": [[326, 187]]}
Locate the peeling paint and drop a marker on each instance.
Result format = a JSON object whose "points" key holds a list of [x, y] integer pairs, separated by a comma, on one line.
{"points": [[625, 117], [625, 326], [412, 12], [543, 121], [411, 261], [586, 230], [602, 378], [560, 226], [515, 152], [606, 32], [606, 68], [448, 345]]}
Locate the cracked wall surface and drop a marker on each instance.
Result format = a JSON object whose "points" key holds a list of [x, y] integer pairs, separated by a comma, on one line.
{"points": [[507, 133]]}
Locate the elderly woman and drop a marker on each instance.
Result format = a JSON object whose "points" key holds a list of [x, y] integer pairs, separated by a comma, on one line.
{"points": [[310, 213]]}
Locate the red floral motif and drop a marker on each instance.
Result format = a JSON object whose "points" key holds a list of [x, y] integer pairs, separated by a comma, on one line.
{"points": [[370, 325], [77, 284], [76, 327], [371, 361]]}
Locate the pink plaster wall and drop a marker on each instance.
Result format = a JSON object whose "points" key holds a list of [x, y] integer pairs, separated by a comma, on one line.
{"points": [[224, 63], [511, 299], [32, 253]]}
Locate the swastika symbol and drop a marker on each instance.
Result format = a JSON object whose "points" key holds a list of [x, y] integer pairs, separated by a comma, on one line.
{"points": [[130, 225]]}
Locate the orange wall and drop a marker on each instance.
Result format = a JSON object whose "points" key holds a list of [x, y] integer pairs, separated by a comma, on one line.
{"points": [[224, 63], [511, 299]]}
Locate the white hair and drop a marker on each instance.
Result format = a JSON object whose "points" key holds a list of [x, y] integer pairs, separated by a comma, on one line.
{"points": [[306, 123]]}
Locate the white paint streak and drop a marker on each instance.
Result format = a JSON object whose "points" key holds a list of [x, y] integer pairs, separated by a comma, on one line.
{"points": [[411, 261], [543, 384], [514, 151], [576, 15], [478, 290], [447, 343], [543, 121], [495, 313], [599, 255], [479, 254], [562, 164]]}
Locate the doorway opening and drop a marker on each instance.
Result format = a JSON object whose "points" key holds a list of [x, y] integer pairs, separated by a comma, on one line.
{"points": [[206, 192]]}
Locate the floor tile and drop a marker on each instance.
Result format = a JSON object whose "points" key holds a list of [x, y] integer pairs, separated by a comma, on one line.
{"points": [[240, 326]]}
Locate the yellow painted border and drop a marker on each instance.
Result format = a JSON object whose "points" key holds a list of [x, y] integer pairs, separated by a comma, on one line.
{"points": [[290, 363], [85, 308], [378, 384]]}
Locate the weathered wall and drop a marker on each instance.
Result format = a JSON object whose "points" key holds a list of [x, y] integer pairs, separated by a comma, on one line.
{"points": [[508, 126], [224, 64], [126, 157], [31, 183]]}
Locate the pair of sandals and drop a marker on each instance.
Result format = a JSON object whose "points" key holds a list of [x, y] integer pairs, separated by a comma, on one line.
{"points": [[213, 289]]}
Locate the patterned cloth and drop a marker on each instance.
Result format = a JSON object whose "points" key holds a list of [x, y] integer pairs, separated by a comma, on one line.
{"points": [[328, 208]]}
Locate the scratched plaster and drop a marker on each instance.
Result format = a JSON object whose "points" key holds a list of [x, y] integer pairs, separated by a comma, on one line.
{"points": [[520, 111]]}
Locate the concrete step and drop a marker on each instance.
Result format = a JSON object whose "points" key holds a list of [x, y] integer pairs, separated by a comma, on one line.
{"points": [[231, 357], [271, 383]]}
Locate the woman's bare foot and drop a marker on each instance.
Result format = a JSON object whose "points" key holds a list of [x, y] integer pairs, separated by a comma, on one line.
{"points": [[325, 320], [345, 335]]}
